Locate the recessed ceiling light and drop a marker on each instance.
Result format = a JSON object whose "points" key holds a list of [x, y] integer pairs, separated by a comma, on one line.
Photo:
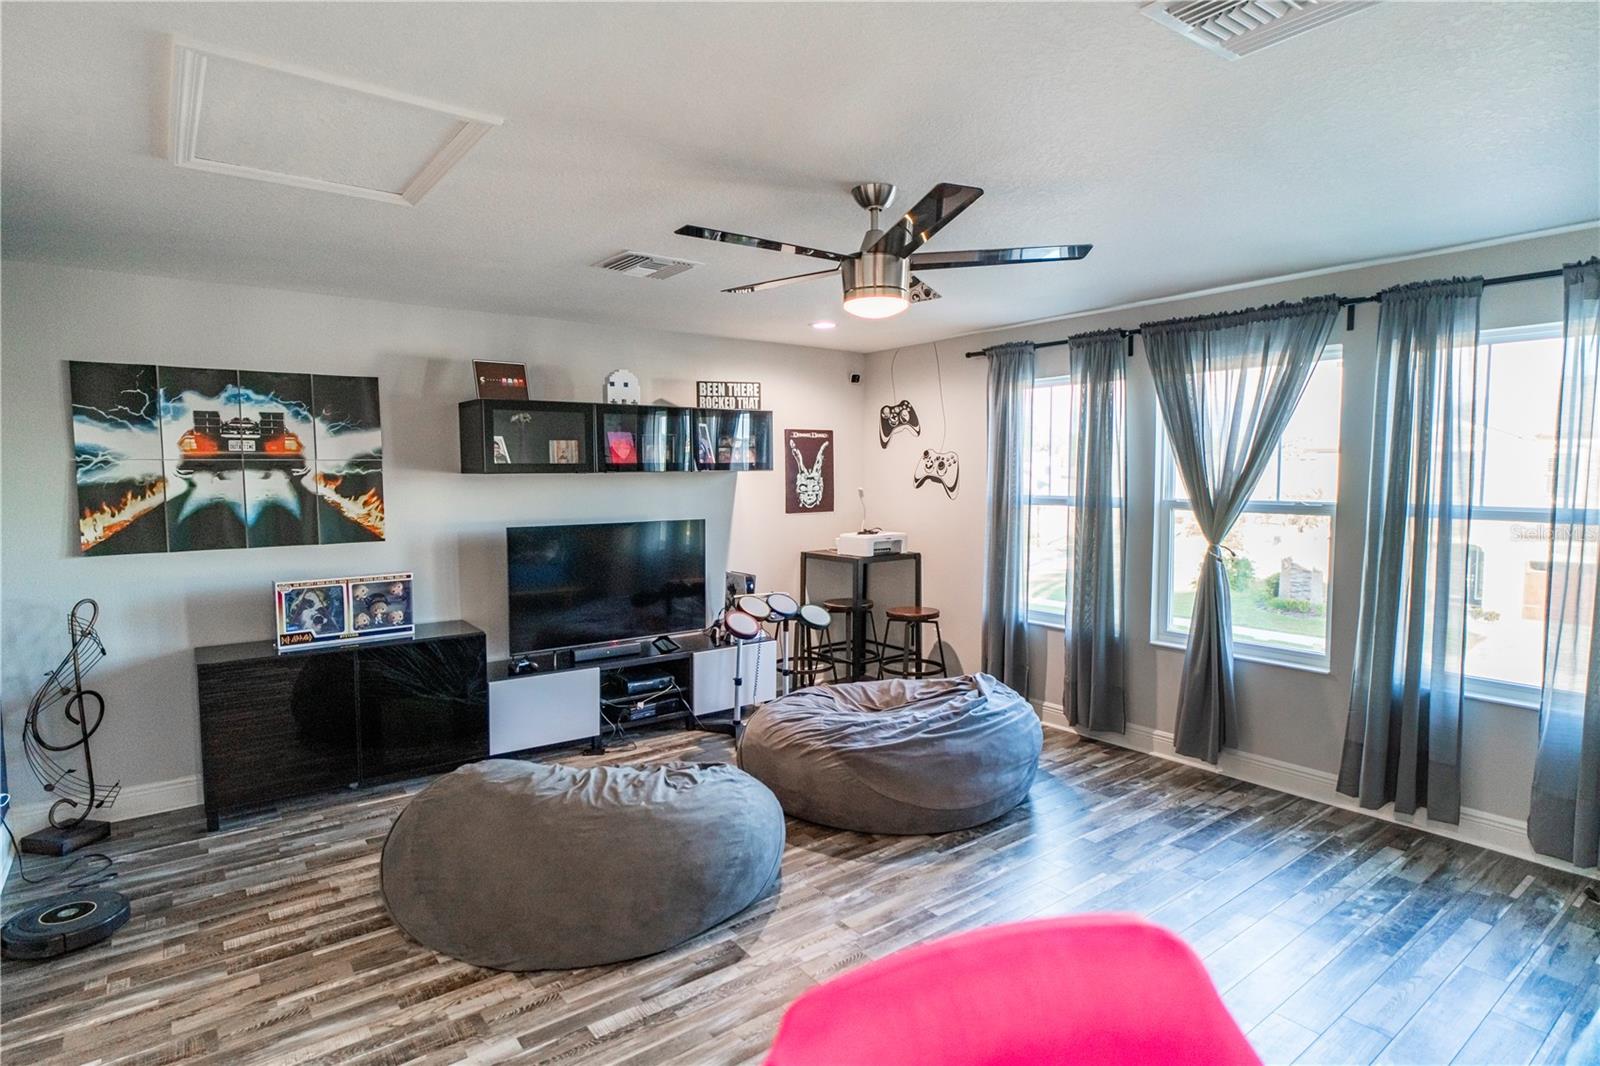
{"points": [[824, 324]]}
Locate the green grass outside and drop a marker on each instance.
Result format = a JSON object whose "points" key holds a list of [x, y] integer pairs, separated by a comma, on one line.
{"points": [[1250, 611], [1249, 608]]}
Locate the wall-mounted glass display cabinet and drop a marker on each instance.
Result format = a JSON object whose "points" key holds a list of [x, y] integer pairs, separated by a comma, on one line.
{"points": [[558, 437]]}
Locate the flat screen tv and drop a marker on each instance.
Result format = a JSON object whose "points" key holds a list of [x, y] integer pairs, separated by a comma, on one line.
{"points": [[572, 585]]}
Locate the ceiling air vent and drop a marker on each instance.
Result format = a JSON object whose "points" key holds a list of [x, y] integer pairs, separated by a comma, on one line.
{"points": [[640, 265], [1233, 29]]}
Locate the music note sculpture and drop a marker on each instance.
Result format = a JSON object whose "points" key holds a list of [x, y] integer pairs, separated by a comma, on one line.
{"points": [[77, 794]]}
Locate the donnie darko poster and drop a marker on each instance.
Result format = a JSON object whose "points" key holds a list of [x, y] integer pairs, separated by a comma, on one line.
{"points": [[187, 459]]}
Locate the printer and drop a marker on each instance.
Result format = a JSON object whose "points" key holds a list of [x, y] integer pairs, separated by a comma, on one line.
{"points": [[868, 543]]}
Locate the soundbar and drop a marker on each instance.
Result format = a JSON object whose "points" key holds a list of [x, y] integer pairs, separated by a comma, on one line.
{"points": [[616, 649]]}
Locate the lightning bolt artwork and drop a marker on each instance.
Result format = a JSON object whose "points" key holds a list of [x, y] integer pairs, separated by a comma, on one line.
{"points": [[190, 459]]}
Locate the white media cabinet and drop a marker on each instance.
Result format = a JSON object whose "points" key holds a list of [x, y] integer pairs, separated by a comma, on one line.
{"points": [[561, 705]]}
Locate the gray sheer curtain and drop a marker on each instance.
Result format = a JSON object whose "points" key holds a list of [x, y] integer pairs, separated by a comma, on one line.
{"points": [[1564, 819], [1403, 737], [1095, 695], [1227, 386], [1005, 610]]}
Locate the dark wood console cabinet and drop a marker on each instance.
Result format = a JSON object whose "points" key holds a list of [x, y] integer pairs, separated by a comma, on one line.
{"points": [[274, 726]]}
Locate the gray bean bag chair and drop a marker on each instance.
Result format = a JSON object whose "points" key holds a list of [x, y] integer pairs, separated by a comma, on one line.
{"points": [[532, 866], [896, 756]]}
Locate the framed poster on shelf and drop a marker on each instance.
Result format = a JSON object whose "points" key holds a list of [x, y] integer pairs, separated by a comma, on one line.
{"points": [[728, 395], [500, 381], [326, 611]]}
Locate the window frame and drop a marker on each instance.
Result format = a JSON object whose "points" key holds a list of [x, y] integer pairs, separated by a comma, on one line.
{"points": [[1168, 503], [1489, 689], [1030, 501]]}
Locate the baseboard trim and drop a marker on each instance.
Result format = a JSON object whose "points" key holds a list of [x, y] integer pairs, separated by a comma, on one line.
{"points": [[1496, 832], [134, 801]]}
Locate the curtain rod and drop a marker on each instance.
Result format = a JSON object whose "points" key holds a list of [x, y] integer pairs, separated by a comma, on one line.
{"points": [[1346, 302]]}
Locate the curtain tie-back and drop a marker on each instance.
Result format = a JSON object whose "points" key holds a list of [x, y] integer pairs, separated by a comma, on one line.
{"points": [[1218, 549]]}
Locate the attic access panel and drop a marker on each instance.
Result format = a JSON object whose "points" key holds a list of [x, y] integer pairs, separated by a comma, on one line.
{"points": [[253, 118]]}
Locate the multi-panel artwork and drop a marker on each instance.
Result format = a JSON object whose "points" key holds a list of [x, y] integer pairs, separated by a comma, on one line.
{"points": [[186, 459]]}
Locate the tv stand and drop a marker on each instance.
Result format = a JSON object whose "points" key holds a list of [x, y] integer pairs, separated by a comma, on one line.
{"points": [[560, 701]]}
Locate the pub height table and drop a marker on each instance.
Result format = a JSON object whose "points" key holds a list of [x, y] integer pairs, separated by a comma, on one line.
{"points": [[859, 570]]}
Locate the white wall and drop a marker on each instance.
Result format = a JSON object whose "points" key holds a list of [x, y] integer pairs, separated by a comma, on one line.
{"points": [[446, 526], [1289, 716]]}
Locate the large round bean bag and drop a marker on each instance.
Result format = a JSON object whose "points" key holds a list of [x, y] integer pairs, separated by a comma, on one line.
{"points": [[897, 756], [532, 866]]}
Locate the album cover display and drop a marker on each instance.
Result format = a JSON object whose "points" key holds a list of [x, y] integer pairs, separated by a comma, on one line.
{"points": [[333, 610]]}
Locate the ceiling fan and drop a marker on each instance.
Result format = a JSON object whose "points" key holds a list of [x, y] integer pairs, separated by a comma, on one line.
{"points": [[878, 279]]}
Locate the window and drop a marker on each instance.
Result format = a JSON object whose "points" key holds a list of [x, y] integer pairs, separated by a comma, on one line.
{"points": [[1508, 569], [1052, 498], [1474, 576], [1279, 554]]}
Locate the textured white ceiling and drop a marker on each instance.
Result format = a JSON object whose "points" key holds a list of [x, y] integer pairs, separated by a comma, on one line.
{"points": [[1404, 128]]}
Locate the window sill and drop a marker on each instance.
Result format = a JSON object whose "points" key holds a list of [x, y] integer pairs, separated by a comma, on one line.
{"points": [[1479, 693], [1476, 692], [1324, 669]]}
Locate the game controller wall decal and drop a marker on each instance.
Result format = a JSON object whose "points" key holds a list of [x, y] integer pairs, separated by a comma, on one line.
{"points": [[941, 468], [892, 418]]}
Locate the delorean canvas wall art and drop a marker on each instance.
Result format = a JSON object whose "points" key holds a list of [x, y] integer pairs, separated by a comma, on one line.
{"points": [[187, 459]]}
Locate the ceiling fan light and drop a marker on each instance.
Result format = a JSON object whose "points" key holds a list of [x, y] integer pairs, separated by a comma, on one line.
{"points": [[875, 285], [876, 305]]}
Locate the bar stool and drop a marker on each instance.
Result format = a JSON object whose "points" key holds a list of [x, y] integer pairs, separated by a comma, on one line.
{"points": [[837, 652], [911, 662]]}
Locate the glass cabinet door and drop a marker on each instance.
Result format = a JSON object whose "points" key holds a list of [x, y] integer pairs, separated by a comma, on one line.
{"points": [[644, 438], [533, 436], [733, 440]]}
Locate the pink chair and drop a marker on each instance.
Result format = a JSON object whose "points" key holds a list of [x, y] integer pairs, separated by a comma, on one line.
{"points": [[1092, 988]]}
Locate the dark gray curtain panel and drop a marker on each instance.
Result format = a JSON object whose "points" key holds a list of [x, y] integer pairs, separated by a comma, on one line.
{"points": [[1227, 386], [1403, 737], [1095, 695], [1564, 818], [1005, 605]]}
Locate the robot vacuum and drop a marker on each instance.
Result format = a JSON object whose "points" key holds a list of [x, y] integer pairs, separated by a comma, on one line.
{"points": [[64, 923]]}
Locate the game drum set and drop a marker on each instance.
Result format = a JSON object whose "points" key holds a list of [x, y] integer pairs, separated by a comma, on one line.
{"points": [[777, 616]]}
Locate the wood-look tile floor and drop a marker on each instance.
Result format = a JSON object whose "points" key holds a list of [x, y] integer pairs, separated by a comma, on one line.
{"points": [[1335, 938]]}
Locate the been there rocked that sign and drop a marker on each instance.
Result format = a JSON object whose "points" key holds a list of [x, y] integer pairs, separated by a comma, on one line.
{"points": [[728, 395]]}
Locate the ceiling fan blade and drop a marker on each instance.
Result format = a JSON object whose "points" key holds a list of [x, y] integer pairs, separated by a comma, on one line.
{"points": [[984, 257], [775, 282], [920, 291], [929, 215], [707, 234]]}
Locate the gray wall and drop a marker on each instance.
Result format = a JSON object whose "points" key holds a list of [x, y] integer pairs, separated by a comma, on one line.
{"points": [[1294, 716], [445, 526]]}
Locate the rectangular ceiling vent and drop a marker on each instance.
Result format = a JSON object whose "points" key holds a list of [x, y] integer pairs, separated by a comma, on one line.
{"points": [[1235, 28], [640, 265]]}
